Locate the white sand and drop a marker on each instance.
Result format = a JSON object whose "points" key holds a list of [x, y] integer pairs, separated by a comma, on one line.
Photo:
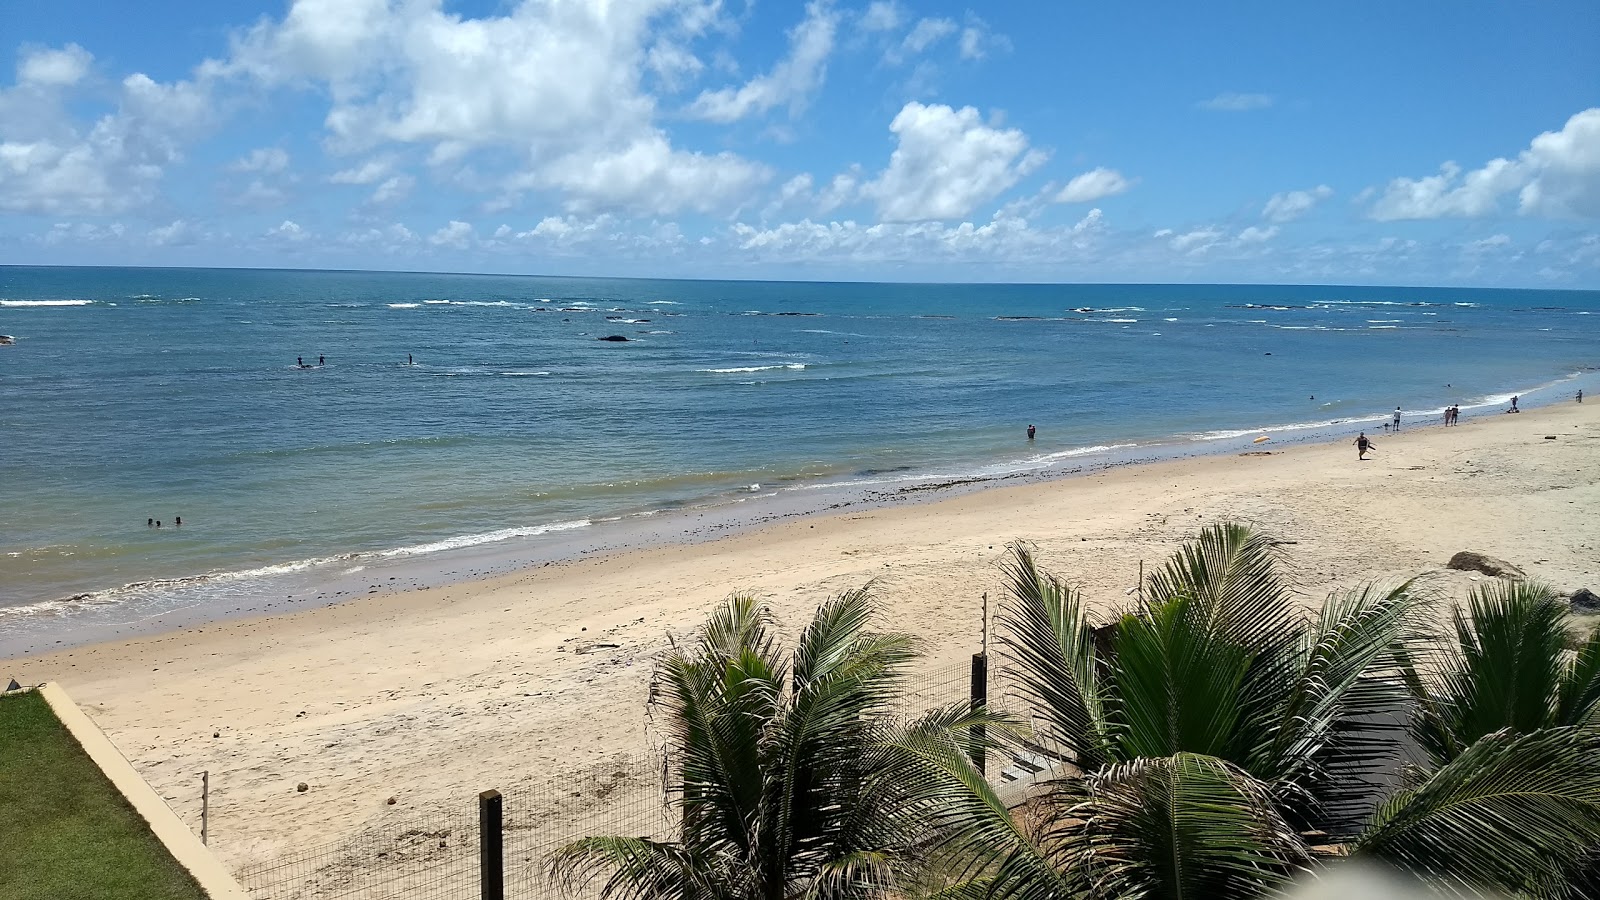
{"points": [[435, 695]]}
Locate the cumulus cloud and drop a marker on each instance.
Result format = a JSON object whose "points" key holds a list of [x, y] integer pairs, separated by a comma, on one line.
{"points": [[51, 163], [559, 84], [1234, 102], [1093, 185], [791, 82], [881, 15], [1558, 176], [977, 40], [49, 67], [1291, 205], [947, 162], [456, 235], [370, 172]]}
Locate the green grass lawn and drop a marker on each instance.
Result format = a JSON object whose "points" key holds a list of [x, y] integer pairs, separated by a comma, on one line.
{"points": [[65, 832]]}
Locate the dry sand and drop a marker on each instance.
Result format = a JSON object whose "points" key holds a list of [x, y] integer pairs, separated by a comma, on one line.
{"points": [[434, 695]]}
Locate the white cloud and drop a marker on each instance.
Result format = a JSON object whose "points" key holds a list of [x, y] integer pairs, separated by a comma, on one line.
{"points": [[1093, 185], [1233, 102], [269, 160], [1558, 175], [926, 33], [947, 162], [290, 231], [792, 81], [977, 39], [882, 15], [844, 188], [175, 233], [53, 68], [649, 176], [457, 235], [393, 239], [369, 172], [557, 83], [395, 188], [50, 163], [1198, 240], [1489, 244], [1257, 235], [1291, 205]]}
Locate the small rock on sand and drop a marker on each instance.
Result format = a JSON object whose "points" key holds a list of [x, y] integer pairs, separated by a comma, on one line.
{"points": [[1469, 561], [1584, 602], [302, 787]]}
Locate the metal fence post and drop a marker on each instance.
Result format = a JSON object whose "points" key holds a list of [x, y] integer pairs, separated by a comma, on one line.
{"points": [[491, 847], [205, 802], [980, 700]]}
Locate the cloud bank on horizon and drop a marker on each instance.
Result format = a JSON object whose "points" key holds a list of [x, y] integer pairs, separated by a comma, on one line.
{"points": [[870, 140]]}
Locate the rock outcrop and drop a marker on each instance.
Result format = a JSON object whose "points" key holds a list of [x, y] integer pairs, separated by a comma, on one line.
{"points": [[1468, 561]]}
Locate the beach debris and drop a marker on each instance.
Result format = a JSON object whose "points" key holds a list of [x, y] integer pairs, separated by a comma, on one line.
{"points": [[302, 787], [1549, 437], [614, 337], [1470, 561], [392, 801], [13, 686], [1585, 602]]}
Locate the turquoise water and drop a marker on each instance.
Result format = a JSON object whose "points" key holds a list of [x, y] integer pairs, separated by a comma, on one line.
{"points": [[140, 393]]}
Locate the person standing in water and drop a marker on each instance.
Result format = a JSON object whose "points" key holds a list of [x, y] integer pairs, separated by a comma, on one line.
{"points": [[300, 361], [320, 361], [1514, 404], [408, 360], [1030, 432], [1362, 446], [178, 522]]}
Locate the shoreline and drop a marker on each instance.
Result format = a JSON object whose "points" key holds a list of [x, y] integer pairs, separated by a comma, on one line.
{"points": [[158, 605], [430, 696]]}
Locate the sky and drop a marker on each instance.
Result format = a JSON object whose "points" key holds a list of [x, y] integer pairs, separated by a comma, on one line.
{"points": [[1429, 142]]}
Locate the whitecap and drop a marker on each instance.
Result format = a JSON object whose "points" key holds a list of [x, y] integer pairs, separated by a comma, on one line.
{"points": [[742, 369], [20, 303], [404, 305]]}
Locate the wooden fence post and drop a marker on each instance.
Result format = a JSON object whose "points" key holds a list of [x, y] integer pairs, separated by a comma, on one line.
{"points": [[491, 849], [205, 802], [980, 700]]}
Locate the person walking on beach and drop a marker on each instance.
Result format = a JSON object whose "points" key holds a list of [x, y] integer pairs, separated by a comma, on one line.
{"points": [[1397, 418], [1031, 429], [1514, 404], [1362, 446], [1580, 395]]}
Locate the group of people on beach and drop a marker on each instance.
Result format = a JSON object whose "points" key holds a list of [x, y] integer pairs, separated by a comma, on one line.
{"points": [[156, 523], [1452, 415]]}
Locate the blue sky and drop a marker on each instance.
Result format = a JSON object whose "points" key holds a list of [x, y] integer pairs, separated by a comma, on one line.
{"points": [[1417, 143]]}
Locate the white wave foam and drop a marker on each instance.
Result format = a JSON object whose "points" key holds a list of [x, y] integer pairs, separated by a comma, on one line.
{"points": [[404, 305], [662, 303], [523, 374], [473, 540], [742, 369], [20, 303], [1121, 321]]}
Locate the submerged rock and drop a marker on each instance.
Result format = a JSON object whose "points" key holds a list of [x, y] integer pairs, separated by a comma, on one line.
{"points": [[7, 339], [614, 337], [1469, 561]]}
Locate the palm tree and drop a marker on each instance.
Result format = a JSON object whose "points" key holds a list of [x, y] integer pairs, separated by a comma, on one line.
{"points": [[793, 780], [1218, 742]]}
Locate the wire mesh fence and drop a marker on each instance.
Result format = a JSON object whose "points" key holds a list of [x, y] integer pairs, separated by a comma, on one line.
{"points": [[438, 858]]}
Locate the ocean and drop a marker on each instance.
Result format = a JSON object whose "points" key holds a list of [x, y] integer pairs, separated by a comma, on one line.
{"points": [[442, 415]]}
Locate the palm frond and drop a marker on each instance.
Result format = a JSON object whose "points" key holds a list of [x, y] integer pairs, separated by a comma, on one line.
{"points": [[1504, 669], [1341, 717], [1050, 648], [1513, 812], [630, 869], [1578, 699], [1188, 825], [1229, 574], [1177, 686]]}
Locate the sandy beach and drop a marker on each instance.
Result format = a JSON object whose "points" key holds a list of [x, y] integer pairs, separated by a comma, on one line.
{"points": [[431, 696]]}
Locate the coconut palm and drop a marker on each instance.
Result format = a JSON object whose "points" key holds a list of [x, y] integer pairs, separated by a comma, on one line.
{"points": [[1219, 742], [792, 780]]}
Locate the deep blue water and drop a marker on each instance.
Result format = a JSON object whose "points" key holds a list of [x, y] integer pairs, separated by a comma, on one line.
{"points": [[161, 393]]}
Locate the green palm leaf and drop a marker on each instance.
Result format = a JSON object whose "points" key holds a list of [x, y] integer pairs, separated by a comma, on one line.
{"points": [[1050, 648], [1185, 826], [1514, 812]]}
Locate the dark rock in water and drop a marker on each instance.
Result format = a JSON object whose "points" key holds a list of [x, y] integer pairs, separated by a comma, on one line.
{"points": [[1468, 561], [1584, 601], [7, 339], [614, 337]]}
